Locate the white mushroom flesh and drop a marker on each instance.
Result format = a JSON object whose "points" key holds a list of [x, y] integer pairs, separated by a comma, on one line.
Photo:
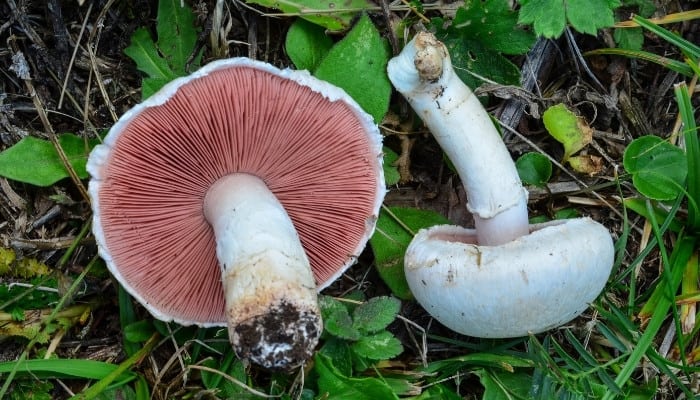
{"points": [[502, 279], [270, 292]]}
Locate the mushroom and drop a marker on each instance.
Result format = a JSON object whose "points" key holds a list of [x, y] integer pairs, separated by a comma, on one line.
{"points": [[231, 196], [505, 278]]}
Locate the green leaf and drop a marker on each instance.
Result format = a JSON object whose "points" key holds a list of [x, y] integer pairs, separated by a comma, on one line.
{"points": [[307, 44], [144, 52], [338, 351], [177, 35], [534, 169], [550, 17], [567, 128], [493, 24], [63, 368], [500, 385], [35, 161], [229, 365], [139, 331], [391, 173], [379, 346], [358, 65], [391, 239], [472, 56], [658, 168], [438, 392], [449, 366], [320, 12], [336, 319], [375, 314], [477, 38], [167, 59], [629, 38], [332, 385]]}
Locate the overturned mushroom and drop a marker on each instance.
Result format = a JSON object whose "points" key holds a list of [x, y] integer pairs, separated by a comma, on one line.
{"points": [[231, 196], [504, 278]]}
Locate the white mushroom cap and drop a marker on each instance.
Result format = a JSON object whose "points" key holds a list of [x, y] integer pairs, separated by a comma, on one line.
{"points": [[529, 285], [504, 278]]}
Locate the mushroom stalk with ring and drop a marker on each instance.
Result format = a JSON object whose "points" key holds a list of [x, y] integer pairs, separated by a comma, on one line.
{"points": [[269, 288], [505, 278]]}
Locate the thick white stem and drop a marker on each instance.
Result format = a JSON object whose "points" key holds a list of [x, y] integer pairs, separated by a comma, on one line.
{"points": [[423, 74], [270, 292]]}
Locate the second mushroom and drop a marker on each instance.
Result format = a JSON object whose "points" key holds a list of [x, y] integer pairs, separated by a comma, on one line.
{"points": [[231, 196], [504, 278]]}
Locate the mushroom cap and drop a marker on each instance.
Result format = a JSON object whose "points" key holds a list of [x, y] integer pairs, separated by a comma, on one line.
{"points": [[529, 285], [313, 146]]}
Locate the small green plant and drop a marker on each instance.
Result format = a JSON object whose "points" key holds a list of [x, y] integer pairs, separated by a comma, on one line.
{"points": [[479, 36], [357, 335], [36, 161], [167, 58], [667, 182], [550, 17], [534, 169], [658, 168], [574, 133], [395, 229], [334, 16], [357, 63], [355, 340]]}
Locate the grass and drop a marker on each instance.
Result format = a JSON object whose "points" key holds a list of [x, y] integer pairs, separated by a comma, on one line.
{"points": [[639, 340]]}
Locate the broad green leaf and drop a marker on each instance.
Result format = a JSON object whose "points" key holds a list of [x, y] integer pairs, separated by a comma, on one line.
{"points": [[473, 60], [166, 59], [139, 331], [477, 38], [567, 128], [629, 38], [358, 65], [307, 44], [493, 24], [658, 168], [36, 161], [391, 173], [144, 52], [375, 314], [501, 385], [550, 17], [336, 319], [534, 169], [391, 239], [177, 35], [332, 385], [334, 16], [378, 346], [338, 351]]}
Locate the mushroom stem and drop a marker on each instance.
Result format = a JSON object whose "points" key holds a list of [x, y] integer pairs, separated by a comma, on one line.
{"points": [[503, 279], [423, 74], [270, 292]]}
